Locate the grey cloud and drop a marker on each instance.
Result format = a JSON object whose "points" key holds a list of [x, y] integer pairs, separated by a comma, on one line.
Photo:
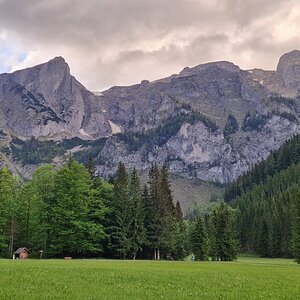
{"points": [[114, 42]]}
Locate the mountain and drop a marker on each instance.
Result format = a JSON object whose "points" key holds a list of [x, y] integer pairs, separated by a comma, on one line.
{"points": [[211, 122], [286, 79], [46, 101]]}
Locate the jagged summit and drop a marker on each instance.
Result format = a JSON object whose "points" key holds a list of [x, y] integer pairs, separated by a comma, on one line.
{"points": [[286, 79], [212, 121], [58, 59], [218, 64], [289, 69], [55, 64], [46, 100], [288, 59]]}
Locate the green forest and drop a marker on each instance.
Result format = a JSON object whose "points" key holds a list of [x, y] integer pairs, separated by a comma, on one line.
{"points": [[267, 204], [69, 211]]}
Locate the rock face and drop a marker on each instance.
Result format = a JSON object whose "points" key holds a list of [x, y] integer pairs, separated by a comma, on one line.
{"points": [[212, 121], [286, 79], [47, 101], [197, 152], [214, 89]]}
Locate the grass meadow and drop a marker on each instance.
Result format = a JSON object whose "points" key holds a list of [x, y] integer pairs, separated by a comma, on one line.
{"points": [[247, 278]]}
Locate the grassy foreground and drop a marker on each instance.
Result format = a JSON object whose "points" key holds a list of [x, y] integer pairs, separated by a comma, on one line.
{"points": [[248, 278]]}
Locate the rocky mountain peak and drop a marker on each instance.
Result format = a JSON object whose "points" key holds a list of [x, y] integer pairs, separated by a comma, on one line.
{"points": [[212, 121], [51, 103], [50, 73], [288, 59], [57, 64], [286, 79], [289, 69], [58, 59], [229, 66]]}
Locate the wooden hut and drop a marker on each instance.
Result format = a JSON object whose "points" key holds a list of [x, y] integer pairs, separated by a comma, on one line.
{"points": [[21, 253]]}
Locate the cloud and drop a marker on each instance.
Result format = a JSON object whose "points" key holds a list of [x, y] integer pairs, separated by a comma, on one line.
{"points": [[10, 53], [120, 42]]}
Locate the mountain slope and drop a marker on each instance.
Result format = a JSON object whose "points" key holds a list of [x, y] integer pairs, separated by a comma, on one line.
{"points": [[211, 122], [46, 101], [220, 91], [265, 199]]}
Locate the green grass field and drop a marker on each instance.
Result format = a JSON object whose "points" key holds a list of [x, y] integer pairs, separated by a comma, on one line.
{"points": [[247, 278]]}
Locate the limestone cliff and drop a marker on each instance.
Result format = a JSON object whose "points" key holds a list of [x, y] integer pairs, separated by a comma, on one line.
{"points": [[211, 122]]}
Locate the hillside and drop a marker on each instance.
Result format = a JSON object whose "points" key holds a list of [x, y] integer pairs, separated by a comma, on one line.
{"points": [[266, 198]]}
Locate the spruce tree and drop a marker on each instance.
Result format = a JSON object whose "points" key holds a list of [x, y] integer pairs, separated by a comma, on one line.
{"points": [[295, 245], [122, 215], [167, 213], [198, 240], [153, 212], [180, 235], [137, 230], [178, 212], [149, 223], [90, 165], [224, 245]]}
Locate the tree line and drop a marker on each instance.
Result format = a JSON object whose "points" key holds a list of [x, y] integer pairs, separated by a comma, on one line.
{"points": [[69, 211], [267, 203]]}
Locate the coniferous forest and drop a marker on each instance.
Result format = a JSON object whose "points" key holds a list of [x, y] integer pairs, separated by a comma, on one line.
{"points": [[69, 211], [267, 204]]}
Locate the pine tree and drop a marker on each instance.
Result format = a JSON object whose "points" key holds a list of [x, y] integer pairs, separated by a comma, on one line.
{"points": [[224, 245], [138, 232], [90, 165], [122, 212], [153, 214], [180, 234], [198, 240], [231, 126], [149, 225], [295, 245], [178, 212], [167, 213]]}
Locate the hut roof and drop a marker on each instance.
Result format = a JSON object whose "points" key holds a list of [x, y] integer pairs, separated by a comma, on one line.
{"points": [[21, 250]]}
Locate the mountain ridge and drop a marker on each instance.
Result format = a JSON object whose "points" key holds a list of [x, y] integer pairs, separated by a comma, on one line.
{"points": [[167, 121]]}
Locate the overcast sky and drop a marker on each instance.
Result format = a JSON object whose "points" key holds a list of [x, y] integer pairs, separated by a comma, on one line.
{"points": [[121, 42]]}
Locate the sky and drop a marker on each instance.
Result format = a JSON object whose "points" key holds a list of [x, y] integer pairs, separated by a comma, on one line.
{"points": [[121, 42]]}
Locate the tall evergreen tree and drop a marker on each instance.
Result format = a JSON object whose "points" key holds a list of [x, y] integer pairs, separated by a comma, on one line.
{"points": [[180, 234], [153, 211], [198, 240], [224, 245], [138, 232], [122, 211], [295, 245], [90, 165], [149, 225], [178, 212], [167, 213]]}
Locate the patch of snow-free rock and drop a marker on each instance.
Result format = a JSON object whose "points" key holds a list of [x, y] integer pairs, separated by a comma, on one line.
{"points": [[82, 132], [114, 127]]}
